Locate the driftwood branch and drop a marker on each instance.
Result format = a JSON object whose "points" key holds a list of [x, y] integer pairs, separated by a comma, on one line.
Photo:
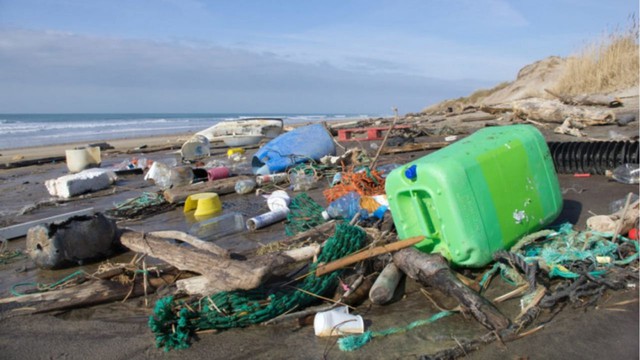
{"points": [[416, 147], [227, 274], [433, 270], [587, 100], [179, 194]]}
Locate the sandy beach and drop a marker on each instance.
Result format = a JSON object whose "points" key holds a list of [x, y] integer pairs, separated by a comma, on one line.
{"points": [[119, 330]]}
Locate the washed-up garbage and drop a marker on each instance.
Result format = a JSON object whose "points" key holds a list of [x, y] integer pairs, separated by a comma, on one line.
{"points": [[278, 200], [204, 204], [275, 179], [364, 182], [337, 321], [165, 176], [266, 219], [218, 226], [174, 323], [278, 203], [245, 186], [85, 181], [626, 174], [304, 214], [347, 206], [197, 147], [75, 241], [302, 181], [216, 173], [457, 196], [82, 158], [306, 143]]}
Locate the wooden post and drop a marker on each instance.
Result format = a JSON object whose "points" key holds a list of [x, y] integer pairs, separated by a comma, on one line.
{"points": [[433, 270]]}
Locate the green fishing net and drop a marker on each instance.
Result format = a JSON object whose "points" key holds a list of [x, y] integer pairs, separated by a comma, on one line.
{"points": [[304, 214], [175, 322]]}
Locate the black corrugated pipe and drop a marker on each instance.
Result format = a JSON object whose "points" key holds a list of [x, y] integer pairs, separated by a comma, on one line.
{"points": [[593, 157]]}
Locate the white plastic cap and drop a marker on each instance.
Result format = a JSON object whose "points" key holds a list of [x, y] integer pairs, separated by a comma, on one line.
{"points": [[325, 215]]}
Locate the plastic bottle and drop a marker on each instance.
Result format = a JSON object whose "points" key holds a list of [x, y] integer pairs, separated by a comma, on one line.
{"points": [[245, 186], [618, 205], [626, 173], [181, 175], [300, 181], [344, 207], [219, 226]]}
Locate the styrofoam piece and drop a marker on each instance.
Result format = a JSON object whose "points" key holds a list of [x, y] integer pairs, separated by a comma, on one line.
{"points": [[85, 181]]}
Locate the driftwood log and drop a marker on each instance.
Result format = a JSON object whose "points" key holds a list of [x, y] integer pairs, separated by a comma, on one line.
{"points": [[227, 274], [416, 147], [202, 285], [178, 195], [587, 100], [433, 270], [554, 111], [92, 292]]}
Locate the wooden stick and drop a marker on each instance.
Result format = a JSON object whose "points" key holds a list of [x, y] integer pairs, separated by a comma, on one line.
{"points": [[517, 292], [194, 241], [363, 255], [384, 141], [417, 147]]}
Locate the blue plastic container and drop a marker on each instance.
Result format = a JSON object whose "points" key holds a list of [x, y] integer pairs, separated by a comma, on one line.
{"points": [[294, 147]]}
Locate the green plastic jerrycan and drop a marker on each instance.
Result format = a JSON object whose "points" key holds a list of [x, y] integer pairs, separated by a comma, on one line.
{"points": [[478, 195]]}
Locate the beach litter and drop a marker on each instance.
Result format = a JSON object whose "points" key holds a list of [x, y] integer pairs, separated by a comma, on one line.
{"points": [[292, 148], [85, 181], [196, 148], [82, 158], [75, 241]]}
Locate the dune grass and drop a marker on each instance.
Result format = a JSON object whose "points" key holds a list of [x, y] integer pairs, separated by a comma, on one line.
{"points": [[607, 64]]}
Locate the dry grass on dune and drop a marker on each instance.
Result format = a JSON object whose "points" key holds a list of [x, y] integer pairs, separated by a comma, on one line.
{"points": [[605, 65]]}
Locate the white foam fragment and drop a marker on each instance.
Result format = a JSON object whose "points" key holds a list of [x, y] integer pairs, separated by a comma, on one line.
{"points": [[85, 181]]}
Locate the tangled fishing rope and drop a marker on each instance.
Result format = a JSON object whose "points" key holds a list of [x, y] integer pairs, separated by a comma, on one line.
{"points": [[366, 183], [355, 342], [147, 203], [304, 214], [589, 261], [174, 323]]}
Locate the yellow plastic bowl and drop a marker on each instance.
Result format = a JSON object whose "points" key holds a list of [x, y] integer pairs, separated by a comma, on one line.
{"points": [[204, 203]]}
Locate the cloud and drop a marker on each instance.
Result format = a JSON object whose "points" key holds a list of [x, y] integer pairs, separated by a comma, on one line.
{"points": [[47, 71]]}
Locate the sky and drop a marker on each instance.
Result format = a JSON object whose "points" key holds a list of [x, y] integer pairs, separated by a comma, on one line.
{"points": [[278, 56]]}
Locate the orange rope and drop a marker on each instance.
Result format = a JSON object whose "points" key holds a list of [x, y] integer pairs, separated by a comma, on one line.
{"points": [[360, 182]]}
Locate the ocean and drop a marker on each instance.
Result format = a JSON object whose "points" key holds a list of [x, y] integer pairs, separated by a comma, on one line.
{"points": [[25, 130]]}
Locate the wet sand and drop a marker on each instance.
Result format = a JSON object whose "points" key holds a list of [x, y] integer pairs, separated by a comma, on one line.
{"points": [[120, 331]]}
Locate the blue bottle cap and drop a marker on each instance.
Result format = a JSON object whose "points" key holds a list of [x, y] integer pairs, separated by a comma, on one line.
{"points": [[411, 172]]}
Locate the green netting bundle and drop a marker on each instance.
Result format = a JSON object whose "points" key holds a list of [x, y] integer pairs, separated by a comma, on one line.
{"points": [[559, 250], [147, 202], [174, 323], [304, 214]]}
